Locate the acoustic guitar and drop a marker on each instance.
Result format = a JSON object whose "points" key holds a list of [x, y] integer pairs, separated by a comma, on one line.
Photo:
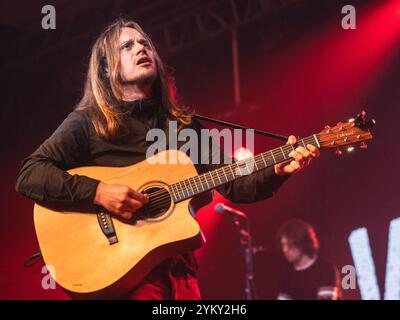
{"points": [[96, 255]]}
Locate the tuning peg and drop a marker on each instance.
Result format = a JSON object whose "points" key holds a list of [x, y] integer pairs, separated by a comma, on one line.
{"points": [[361, 119], [328, 129], [370, 123], [340, 125], [350, 149], [338, 151], [363, 146]]}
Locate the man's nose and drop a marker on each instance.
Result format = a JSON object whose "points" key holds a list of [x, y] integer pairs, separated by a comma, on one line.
{"points": [[140, 48]]}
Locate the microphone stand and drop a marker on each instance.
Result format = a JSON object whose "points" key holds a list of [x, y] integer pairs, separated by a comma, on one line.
{"points": [[249, 252], [236, 126], [244, 230]]}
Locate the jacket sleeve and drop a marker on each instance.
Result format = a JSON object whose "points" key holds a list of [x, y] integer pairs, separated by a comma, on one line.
{"points": [[43, 176], [257, 186]]}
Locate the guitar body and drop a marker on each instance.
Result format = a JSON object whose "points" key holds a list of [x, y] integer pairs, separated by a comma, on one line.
{"points": [[83, 261]]}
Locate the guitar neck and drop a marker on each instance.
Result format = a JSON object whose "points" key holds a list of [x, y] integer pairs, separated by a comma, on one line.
{"points": [[198, 184]]}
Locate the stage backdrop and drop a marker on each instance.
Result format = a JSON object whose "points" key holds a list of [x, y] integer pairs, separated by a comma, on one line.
{"points": [[299, 72]]}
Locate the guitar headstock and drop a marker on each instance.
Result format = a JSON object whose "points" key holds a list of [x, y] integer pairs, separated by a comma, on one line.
{"points": [[355, 131]]}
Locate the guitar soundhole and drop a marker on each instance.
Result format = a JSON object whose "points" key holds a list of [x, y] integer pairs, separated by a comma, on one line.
{"points": [[160, 201]]}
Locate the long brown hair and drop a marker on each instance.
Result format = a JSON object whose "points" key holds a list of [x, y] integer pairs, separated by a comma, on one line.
{"points": [[301, 234], [103, 93]]}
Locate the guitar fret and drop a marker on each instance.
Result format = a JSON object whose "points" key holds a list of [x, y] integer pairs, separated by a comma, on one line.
{"points": [[208, 182], [273, 157], [219, 178], [186, 188], [246, 167], [212, 178], [292, 148], [262, 157], [255, 163], [183, 188], [233, 175], [316, 140], [239, 168], [190, 185], [205, 176], [200, 184], [178, 192], [173, 191], [177, 188], [195, 185], [223, 170], [265, 162], [284, 157]]}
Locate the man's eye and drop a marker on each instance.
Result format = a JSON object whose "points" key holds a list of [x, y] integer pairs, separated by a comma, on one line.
{"points": [[127, 45]]}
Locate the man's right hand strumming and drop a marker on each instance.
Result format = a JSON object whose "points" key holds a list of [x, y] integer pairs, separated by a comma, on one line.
{"points": [[119, 199]]}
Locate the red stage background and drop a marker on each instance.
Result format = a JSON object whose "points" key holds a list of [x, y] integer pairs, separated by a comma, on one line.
{"points": [[299, 71]]}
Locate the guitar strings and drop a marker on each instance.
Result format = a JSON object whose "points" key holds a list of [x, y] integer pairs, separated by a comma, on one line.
{"points": [[180, 189], [162, 196], [258, 160], [185, 188]]}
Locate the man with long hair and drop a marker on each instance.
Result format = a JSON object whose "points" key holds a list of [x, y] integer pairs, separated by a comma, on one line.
{"points": [[309, 277], [127, 93]]}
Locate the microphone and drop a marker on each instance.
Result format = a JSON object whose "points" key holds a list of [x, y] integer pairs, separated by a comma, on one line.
{"points": [[221, 208]]}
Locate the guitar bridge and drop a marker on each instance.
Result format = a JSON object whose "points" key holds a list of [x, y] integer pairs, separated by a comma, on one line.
{"points": [[107, 225]]}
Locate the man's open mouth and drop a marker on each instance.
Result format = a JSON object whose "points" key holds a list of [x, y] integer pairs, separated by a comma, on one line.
{"points": [[143, 60]]}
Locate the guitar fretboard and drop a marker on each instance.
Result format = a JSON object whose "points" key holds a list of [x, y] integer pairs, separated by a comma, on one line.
{"points": [[195, 185]]}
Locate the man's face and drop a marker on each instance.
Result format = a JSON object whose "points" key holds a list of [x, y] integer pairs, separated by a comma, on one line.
{"points": [[138, 65], [290, 251]]}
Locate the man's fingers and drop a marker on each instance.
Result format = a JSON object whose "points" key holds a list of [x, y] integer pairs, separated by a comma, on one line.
{"points": [[126, 215], [314, 151], [296, 155], [292, 140], [144, 198], [299, 158], [295, 165], [132, 204], [305, 153], [128, 207]]}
